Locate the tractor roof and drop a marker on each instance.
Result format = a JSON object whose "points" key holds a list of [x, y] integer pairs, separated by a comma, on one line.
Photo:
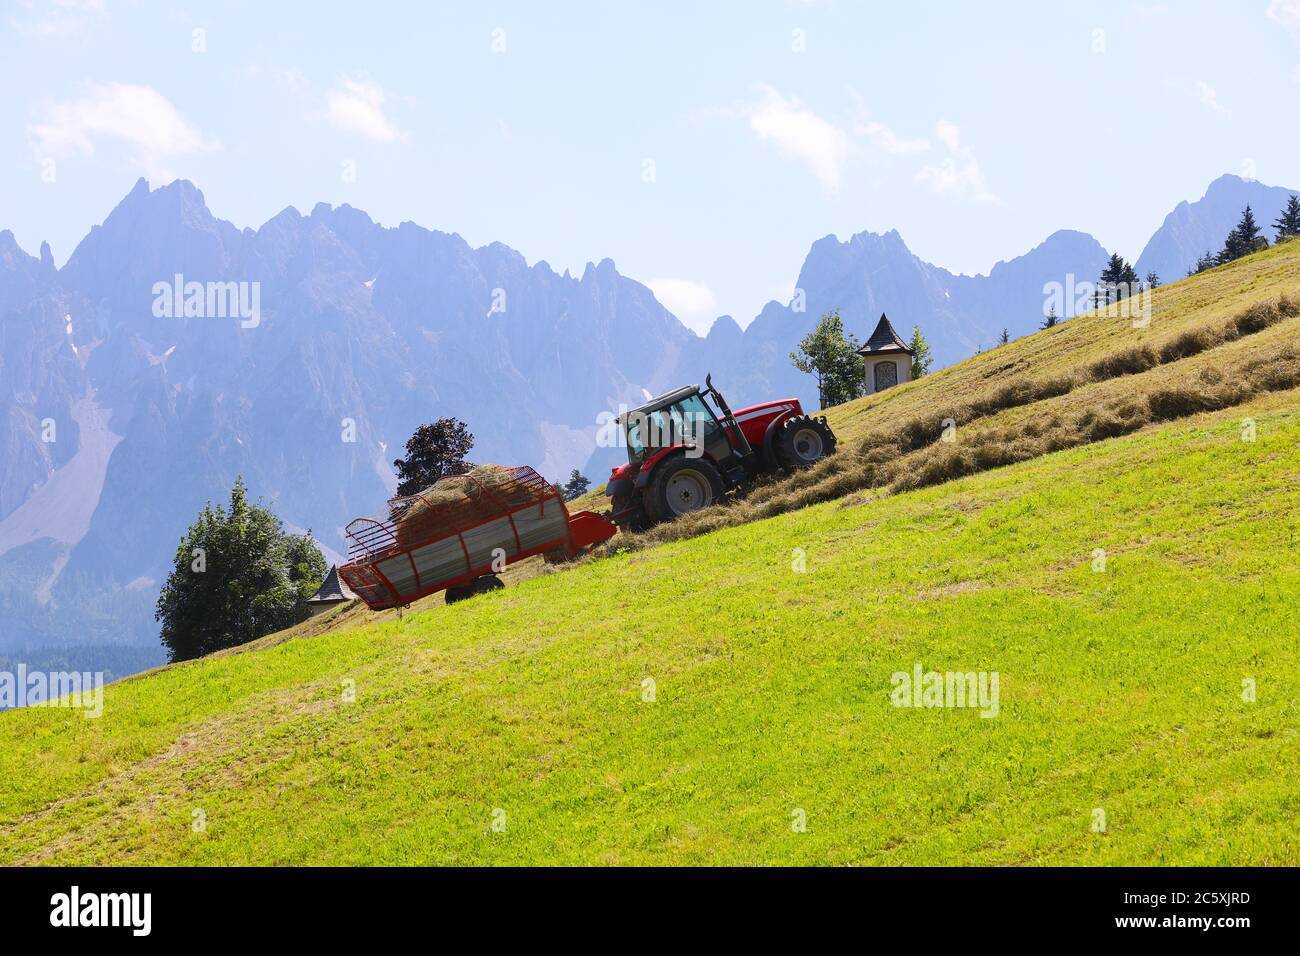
{"points": [[660, 401]]}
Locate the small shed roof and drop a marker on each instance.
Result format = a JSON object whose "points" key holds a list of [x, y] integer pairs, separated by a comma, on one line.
{"points": [[884, 340], [332, 590]]}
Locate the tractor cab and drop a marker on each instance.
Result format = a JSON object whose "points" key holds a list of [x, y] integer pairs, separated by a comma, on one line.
{"points": [[680, 418]]}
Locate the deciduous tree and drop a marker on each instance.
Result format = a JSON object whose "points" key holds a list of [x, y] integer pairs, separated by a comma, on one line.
{"points": [[832, 358], [434, 451], [921, 358], [236, 576]]}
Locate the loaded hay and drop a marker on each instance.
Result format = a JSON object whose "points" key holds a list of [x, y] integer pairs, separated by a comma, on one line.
{"points": [[458, 502]]}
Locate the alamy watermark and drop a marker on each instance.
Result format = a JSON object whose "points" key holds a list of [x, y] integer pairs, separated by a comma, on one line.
{"points": [[179, 299], [1124, 300], [922, 688], [662, 428], [133, 911], [81, 690]]}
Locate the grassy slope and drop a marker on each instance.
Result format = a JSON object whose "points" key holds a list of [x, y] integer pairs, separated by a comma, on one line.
{"points": [[1120, 690]]}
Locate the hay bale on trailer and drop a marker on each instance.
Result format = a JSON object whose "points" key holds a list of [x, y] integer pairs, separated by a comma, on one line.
{"points": [[479, 494]]}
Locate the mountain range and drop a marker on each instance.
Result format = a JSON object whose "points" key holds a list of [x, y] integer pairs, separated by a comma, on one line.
{"points": [[119, 419]]}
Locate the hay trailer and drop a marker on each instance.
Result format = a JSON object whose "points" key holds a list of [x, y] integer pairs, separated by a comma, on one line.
{"points": [[456, 535]]}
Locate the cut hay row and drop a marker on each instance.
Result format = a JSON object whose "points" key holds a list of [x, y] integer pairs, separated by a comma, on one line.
{"points": [[923, 431]]}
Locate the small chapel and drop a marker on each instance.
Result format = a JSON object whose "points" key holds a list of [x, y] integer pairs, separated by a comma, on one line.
{"points": [[886, 358]]}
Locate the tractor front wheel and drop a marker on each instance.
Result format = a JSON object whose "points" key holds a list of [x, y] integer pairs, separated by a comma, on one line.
{"points": [[803, 441], [681, 485], [629, 514]]}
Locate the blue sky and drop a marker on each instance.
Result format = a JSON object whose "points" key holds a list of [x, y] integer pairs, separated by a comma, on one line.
{"points": [[702, 146]]}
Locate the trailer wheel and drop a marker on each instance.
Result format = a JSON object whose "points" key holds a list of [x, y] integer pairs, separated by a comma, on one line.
{"points": [[480, 585], [486, 583], [803, 441], [681, 485], [452, 595]]}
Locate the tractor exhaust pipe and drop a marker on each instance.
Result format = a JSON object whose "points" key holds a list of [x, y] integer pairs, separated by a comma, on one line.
{"points": [[728, 419]]}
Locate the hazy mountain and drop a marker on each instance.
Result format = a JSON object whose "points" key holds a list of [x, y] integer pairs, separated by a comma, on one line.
{"points": [[1195, 228], [118, 423], [121, 413], [870, 274]]}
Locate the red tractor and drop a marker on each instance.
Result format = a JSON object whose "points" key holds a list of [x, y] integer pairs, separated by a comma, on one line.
{"points": [[683, 455]]}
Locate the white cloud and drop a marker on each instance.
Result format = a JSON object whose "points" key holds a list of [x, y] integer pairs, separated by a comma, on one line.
{"points": [[1209, 98], [948, 134], [59, 19], [357, 105], [801, 135], [1286, 13], [885, 139], [138, 116], [690, 301], [958, 174], [882, 137]]}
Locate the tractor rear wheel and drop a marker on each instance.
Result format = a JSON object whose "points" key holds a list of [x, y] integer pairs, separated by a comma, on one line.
{"points": [[803, 441], [681, 485]]}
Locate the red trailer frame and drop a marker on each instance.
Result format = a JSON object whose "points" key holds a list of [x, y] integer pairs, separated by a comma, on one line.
{"points": [[377, 540]]}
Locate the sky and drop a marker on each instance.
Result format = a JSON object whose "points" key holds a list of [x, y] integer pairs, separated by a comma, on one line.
{"points": [[702, 146]]}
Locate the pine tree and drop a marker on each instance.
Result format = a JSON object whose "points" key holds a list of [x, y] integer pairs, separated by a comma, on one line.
{"points": [[1248, 233], [1244, 239], [1153, 280], [576, 486], [1128, 278], [1049, 320], [1004, 338], [921, 357], [1288, 223], [1206, 261], [1118, 277], [1114, 270]]}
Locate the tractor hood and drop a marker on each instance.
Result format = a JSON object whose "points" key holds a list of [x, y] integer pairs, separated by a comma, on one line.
{"points": [[755, 419], [768, 409]]}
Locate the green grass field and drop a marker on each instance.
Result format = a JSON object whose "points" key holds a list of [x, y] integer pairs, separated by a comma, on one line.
{"points": [[514, 728]]}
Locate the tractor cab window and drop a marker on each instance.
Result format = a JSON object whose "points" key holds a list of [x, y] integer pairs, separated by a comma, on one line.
{"points": [[696, 420], [649, 431], [640, 430], [686, 421]]}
